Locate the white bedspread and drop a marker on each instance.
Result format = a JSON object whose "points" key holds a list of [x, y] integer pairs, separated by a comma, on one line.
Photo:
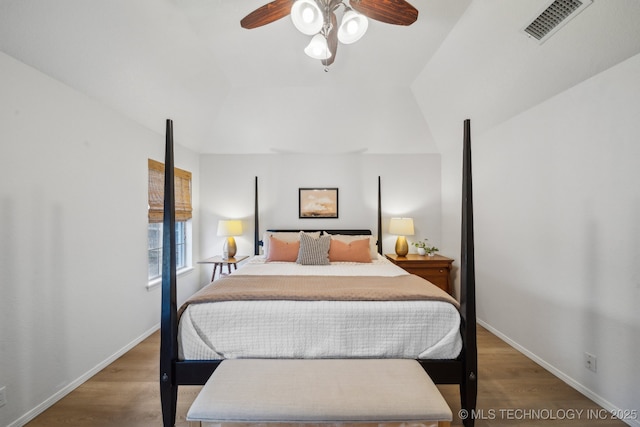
{"points": [[320, 329]]}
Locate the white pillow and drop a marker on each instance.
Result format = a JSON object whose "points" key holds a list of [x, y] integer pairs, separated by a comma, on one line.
{"points": [[285, 236], [346, 238]]}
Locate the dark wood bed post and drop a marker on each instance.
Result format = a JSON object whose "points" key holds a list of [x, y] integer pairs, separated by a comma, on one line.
{"points": [[256, 233], [469, 383], [168, 320], [379, 217]]}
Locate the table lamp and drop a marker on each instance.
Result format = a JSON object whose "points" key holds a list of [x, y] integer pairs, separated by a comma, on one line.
{"points": [[229, 228], [401, 227]]}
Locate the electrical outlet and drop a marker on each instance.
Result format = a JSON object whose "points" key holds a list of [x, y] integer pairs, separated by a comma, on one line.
{"points": [[590, 362], [3, 396]]}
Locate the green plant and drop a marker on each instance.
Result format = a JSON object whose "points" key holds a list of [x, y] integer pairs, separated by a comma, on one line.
{"points": [[425, 245]]}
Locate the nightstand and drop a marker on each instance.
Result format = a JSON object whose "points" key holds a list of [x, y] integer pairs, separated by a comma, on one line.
{"points": [[218, 261], [435, 269]]}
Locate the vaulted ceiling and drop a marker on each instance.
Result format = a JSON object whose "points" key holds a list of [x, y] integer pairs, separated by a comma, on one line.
{"points": [[232, 90]]}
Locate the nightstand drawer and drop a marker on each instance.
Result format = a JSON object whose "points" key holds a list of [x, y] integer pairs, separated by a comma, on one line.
{"points": [[435, 269], [437, 276]]}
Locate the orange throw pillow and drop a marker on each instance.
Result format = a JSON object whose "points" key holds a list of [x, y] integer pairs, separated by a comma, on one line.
{"points": [[283, 251], [356, 251]]}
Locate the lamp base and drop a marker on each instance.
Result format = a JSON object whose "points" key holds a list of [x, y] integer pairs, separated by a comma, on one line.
{"points": [[402, 248], [229, 249]]}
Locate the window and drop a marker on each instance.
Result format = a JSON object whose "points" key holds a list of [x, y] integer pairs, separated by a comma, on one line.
{"points": [[183, 218]]}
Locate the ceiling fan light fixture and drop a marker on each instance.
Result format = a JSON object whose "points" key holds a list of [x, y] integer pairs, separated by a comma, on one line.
{"points": [[307, 16], [318, 47], [353, 27], [317, 18]]}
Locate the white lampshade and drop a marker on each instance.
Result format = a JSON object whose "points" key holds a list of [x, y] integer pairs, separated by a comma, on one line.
{"points": [[401, 226], [353, 27], [307, 17], [318, 48], [229, 227]]}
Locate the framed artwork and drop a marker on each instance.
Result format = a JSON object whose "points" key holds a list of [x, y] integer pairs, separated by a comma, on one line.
{"points": [[318, 203]]}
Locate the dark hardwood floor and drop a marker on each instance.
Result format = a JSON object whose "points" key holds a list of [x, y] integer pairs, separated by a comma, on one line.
{"points": [[513, 391]]}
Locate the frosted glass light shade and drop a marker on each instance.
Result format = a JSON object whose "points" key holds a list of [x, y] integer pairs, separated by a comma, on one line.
{"points": [[401, 226], [307, 16], [353, 27], [318, 48], [229, 227]]}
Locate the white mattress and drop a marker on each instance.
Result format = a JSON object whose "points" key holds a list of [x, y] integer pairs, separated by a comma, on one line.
{"points": [[320, 329]]}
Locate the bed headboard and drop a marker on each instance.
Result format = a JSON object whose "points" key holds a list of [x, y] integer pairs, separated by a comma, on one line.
{"points": [[350, 232]]}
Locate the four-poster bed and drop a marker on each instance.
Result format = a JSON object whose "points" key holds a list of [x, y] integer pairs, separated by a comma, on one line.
{"points": [[455, 370]]}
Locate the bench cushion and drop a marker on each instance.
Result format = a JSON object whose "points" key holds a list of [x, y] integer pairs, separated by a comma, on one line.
{"points": [[327, 390]]}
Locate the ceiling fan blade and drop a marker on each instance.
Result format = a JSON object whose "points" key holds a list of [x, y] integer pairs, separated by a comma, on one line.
{"points": [[397, 12], [332, 41], [267, 14]]}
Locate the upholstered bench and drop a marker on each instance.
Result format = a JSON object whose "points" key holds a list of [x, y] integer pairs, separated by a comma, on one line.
{"points": [[320, 391]]}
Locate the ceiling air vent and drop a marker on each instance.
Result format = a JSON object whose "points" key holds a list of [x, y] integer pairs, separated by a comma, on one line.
{"points": [[554, 17]]}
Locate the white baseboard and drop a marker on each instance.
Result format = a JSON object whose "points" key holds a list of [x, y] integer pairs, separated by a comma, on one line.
{"points": [[558, 373], [80, 380]]}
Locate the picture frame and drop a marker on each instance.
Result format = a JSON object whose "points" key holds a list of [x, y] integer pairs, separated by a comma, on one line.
{"points": [[317, 203]]}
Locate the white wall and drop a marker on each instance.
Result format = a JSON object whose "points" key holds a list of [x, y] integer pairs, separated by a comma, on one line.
{"points": [[557, 209], [387, 118], [73, 270], [410, 187]]}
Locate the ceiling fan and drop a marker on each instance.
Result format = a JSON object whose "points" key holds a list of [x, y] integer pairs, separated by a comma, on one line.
{"points": [[318, 18]]}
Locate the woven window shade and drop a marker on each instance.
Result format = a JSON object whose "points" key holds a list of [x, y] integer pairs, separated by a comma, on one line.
{"points": [[156, 192]]}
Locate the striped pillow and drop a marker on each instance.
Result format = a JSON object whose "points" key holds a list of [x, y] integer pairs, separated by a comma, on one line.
{"points": [[314, 251]]}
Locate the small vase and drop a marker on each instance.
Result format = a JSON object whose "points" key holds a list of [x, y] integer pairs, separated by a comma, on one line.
{"points": [[421, 251]]}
